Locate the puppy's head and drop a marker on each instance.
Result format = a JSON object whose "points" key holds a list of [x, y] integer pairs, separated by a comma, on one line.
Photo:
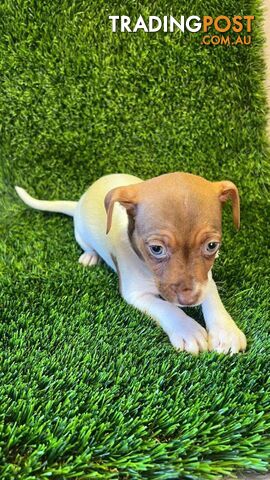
{"points": [[175, 228]]}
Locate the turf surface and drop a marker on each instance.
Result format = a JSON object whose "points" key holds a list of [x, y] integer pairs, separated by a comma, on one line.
{"points": [[90, 388]]}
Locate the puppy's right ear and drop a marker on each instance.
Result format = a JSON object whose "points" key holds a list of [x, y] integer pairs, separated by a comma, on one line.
{"points": [[126, 196], [229, 191]]}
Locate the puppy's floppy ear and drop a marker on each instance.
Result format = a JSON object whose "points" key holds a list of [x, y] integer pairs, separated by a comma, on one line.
{"points": [[126, 196], [229, 191]]}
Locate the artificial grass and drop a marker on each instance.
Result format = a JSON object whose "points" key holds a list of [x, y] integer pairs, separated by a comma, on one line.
{"points": [[91, 388]]}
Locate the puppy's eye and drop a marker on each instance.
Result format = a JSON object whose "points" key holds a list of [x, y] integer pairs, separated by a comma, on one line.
{"points": [[157, 251], [211, 247]]}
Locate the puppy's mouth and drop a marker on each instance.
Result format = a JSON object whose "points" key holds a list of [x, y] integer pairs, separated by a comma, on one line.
{"points": [[184, 305], [177, 304], [194, 301], [188, 305]]}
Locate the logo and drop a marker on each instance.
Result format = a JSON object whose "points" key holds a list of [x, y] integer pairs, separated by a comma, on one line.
{"points": [[237, 28]]}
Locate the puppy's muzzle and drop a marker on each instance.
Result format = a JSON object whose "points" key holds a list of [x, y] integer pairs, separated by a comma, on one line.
{"points": [[187, 295], [188, 298]]}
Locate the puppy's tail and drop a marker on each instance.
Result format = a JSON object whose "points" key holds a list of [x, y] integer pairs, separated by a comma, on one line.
{"points": [[50, 206]]}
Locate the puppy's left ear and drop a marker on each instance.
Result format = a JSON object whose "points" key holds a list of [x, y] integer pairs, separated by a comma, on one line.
{"points": [[126, 196], [229, 191]]}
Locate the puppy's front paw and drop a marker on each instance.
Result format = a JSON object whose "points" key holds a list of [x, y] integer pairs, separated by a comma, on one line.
{"points": [[189, 336], [226, 337]]}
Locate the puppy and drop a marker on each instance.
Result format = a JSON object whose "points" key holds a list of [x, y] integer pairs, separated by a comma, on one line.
{"points": [[161, 236]]}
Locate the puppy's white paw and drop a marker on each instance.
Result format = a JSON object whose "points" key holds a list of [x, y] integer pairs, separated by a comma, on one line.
{"points": [[226, 337], [88, 259], [189, 336]]}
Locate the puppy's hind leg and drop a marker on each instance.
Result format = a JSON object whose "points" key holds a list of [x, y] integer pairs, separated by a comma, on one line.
{"points": [[89, 257]]}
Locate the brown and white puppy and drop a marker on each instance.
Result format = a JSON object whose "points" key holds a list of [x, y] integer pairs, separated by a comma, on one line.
{"points": [[161, 236]]}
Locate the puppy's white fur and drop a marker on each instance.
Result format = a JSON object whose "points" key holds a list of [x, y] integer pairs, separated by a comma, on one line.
{"points": [[137, 283]]}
